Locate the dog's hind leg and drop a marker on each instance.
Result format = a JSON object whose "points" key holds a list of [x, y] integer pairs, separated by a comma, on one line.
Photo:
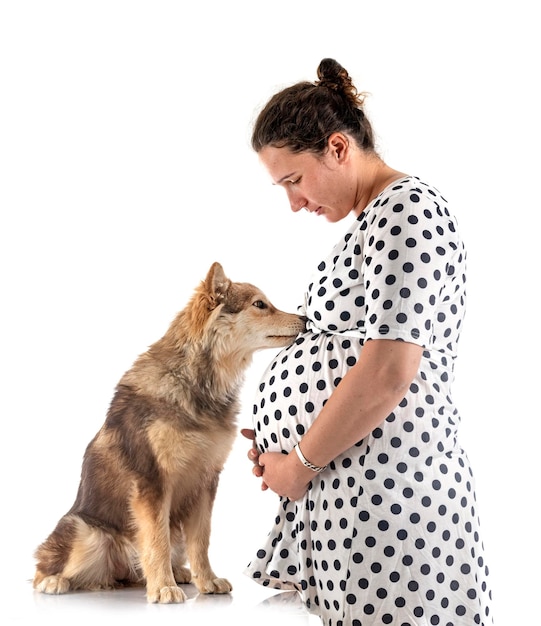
{"points": [[197, 529], [151, 517], [181, 572], [77, 555], [52, 556]]}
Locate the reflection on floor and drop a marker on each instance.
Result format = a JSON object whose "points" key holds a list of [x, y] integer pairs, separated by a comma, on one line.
{"points": [[247, 604]]}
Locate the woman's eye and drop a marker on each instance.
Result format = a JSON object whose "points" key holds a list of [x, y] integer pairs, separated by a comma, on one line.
{"points": [[260, 304], [294, 182]]}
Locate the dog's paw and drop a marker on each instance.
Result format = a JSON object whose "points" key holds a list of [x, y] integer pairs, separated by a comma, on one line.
{"points": [[166, 595], [215, 585], [182, 575], [53, 585]]}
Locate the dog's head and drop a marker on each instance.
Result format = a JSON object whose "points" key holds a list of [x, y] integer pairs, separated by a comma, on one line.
{"points": [[240, 315]]}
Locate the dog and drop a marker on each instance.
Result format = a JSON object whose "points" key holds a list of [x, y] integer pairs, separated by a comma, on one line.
{"points": [[149, 477]]}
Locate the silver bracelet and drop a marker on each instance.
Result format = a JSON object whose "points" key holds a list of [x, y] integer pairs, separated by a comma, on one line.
{"points": [[306, 463]]}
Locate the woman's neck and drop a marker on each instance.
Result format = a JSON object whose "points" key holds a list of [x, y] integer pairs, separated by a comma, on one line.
{"points": [[375, 175]]}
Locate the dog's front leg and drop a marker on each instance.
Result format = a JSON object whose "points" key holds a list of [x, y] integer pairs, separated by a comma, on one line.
{"points": [[197, 530], [151, 516]]}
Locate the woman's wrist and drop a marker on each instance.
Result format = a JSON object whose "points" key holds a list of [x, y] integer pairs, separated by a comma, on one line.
{"points": [[314, 468]]}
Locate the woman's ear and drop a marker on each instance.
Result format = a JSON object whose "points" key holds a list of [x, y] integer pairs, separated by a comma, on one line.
{"points": [[338, 146]]}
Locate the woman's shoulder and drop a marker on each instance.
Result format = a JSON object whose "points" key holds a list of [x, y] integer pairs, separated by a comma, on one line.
{"points": [[408, 209], [407, 196]]}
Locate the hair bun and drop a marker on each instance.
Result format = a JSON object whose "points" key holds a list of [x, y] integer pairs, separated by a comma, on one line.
{"points": [[330, 74], [334, 77]]}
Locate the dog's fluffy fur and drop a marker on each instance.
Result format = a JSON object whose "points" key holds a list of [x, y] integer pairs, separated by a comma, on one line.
{"points": [[149, 476]]}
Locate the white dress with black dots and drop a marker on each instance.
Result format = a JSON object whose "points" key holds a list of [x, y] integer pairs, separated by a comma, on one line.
{"points": [[389, 532]]}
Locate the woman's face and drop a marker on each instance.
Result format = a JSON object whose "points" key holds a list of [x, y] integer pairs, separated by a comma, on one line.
{"points": [[322, 185]]}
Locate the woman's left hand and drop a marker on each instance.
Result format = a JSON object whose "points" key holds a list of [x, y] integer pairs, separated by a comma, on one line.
{"points": [[285, 474]]}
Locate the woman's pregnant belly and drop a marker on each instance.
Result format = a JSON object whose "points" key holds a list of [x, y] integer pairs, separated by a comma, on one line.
{"points": [[296, 385]]}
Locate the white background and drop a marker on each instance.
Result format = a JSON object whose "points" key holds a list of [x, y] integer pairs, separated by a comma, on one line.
{"points": [[126, 170]]}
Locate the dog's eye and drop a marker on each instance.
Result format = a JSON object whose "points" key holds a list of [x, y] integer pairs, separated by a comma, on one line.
{"points": [[260, 304]]}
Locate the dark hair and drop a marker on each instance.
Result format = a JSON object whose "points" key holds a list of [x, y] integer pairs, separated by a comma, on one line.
{"points": [[303, 117]]}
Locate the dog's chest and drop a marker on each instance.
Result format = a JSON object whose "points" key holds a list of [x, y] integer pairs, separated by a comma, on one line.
{"points": [[179, 450]]}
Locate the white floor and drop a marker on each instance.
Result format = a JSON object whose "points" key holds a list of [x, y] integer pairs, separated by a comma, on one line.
{"points": [[247, 604]]}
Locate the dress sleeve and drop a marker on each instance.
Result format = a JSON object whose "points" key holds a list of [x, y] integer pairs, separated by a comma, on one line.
{"points": [[410, 242]]}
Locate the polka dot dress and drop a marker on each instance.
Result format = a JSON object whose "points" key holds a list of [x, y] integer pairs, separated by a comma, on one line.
{"points": [[389, 532]]}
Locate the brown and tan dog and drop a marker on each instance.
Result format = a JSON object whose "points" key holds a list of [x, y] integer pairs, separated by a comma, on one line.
{"points": [[149, 476]]}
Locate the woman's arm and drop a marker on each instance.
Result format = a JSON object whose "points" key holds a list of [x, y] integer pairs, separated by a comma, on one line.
{"points": [[367, 394]]}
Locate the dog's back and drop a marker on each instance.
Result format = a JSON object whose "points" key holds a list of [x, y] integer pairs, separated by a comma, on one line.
{"points": [[149, 476]]}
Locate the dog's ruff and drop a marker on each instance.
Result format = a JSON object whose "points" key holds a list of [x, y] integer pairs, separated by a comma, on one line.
{"points": [[149, 476]]}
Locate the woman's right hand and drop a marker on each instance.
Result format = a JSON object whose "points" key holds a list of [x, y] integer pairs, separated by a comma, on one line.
{"points": [[253, 455]]}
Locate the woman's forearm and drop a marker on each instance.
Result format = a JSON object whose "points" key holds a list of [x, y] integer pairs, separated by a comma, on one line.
{"points": [[367, 394]]}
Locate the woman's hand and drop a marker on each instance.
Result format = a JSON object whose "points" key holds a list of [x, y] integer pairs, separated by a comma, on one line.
{"points": [[285, 474], [253, 455], [282, 473]]}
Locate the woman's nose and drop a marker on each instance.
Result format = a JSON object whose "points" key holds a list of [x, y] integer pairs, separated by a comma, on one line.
{"points": [[296, 202]]}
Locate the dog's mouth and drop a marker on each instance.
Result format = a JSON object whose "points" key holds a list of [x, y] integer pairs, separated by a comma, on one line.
{"points": [[281, 336]]}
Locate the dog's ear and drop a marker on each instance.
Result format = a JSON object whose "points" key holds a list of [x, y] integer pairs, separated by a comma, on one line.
{"points": [[217, 283]]}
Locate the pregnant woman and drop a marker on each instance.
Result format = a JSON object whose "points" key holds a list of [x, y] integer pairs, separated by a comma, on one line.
{"points": [[354, 424]]}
